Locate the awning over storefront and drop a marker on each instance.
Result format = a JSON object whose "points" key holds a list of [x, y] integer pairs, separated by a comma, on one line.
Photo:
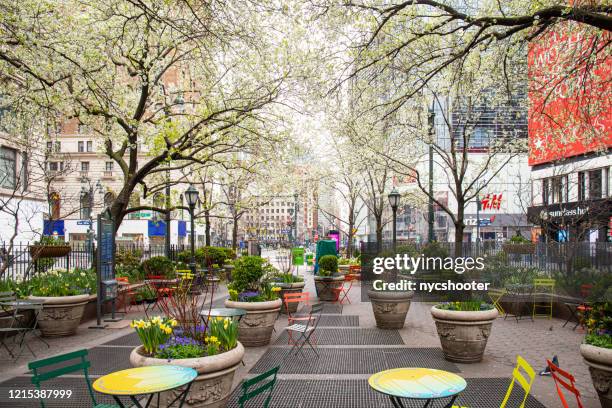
{"points": [[571, 213]]}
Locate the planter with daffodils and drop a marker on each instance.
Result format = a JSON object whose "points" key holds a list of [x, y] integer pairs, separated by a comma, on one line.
{"points": [[64, 295], [251, 290], [212, 350], [464, 328], [597, 350]]}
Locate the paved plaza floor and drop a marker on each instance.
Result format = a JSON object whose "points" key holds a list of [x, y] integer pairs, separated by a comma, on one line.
{"points": [[351, 348]]}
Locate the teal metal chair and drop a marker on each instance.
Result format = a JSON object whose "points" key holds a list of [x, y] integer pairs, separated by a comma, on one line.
{"points": [[254, 382], [82, 365]]}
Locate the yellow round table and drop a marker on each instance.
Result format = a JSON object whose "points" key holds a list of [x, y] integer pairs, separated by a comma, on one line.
{"points": [[417, 383], [149, 380]]}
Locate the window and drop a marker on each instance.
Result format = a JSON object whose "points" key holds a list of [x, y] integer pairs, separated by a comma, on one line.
{"points": [[606, 182], [108, 166], [49, 147], [134, 202], [55, 205], [8, 165], [81, 146], [84, 166], [581, 186], [53, 166], [89, 146], [554, 190], [595, 184], [85, 206], [83, 129], [58, 147]]}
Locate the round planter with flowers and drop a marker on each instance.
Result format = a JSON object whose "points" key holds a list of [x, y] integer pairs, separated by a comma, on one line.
{"points": [[464, 328], [289, 283], [251, 290], [64, 295], [215, 357]]}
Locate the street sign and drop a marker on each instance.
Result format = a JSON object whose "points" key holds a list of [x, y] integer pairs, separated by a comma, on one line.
{"points": [[298, 256], [84, 222]]}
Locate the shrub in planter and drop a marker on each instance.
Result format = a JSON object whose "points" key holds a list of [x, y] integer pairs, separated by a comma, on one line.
{"points": [[159, 265], [328, 280], [251, 290], [597, 349], [329, 264], [64, 295], [464, 328], [212, 350]]}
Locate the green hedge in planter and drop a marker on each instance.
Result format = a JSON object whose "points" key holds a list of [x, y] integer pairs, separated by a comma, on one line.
{"points": [[208, 255], [159, 265], [329, 264]]}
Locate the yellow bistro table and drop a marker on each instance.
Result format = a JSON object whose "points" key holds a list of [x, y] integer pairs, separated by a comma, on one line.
{"points": [[148, 380], [417, 383]]}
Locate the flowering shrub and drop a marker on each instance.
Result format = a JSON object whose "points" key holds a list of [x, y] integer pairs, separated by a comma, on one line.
{"points": [[60, 282], [153, 332], [233, 295], [467, 306], [181, 347], [223, 335], [600, 325]]}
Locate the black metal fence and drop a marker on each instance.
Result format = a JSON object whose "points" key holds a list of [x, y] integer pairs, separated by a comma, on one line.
{"points": [[17, 262]]}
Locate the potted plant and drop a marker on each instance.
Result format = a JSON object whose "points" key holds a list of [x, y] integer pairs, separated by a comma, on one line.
{"points": [[464, 328], [289, 283], [519, 245], [250, 290], [64, 295], [328, 281], [597, 350], [211, 349], [49, 247]]}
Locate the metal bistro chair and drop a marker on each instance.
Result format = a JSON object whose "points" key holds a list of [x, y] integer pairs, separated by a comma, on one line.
{"points": [[519, 377], [288, 299], [545, 288], [18, 327], [82, 365], [305, 331], [248, 395], [567, 381]]}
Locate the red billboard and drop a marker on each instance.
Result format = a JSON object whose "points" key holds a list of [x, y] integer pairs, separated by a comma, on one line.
{"points": [[570, 93]]}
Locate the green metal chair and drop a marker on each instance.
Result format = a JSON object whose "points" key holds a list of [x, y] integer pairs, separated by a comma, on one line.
{"points": [[82, 364], [248, 395]]}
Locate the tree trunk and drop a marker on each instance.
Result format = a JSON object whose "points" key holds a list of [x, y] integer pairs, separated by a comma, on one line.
{"points": [[235, 234], [349, 244], [379, 234], [207, 226]]}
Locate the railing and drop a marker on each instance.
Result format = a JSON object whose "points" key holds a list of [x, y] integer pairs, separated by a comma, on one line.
{"points": [[17, 263]]}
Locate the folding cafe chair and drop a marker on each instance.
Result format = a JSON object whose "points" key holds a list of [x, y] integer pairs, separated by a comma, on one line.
{"points": [[290, 299], [18, 328], [253, 387], [566, 380], [305, 331]]}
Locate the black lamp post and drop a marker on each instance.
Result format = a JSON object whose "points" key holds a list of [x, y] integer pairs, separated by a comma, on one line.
{"points": [[192, 198], [394, 199]]}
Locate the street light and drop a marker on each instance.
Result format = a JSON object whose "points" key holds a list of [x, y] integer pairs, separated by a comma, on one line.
{"points": [[394, 199], [192, 198]]}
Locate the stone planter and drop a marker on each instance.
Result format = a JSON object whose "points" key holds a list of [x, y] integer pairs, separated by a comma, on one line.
{"points": [[390, 308], [344, 269], [213, 385], [599, 361], [295, 287], [60, 315], [325, 285], [255, 328], [228, 272], [463, 335]]}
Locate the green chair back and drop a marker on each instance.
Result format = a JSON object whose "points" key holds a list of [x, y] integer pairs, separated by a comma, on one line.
{"points": [[259, 388], [80, 364]]}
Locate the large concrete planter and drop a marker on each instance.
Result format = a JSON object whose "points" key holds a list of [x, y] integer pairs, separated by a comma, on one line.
{"points": [[390, 308], [463, 335], [325, 286], [255, 328], [60, 315], [213, 385], [295, 287], [344, 269], [599, 360]]}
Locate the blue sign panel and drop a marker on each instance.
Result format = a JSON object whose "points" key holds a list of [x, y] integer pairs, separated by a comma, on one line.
{"points": [[157, 228], [182, 228], [53, 226]]}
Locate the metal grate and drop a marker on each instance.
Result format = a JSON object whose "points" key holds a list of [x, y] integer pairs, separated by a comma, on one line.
{"points": [[351, 361], [480, 393], [349, 336], [79, 398], [332, 308], [339, 321], [105, 360], [129, 340]]}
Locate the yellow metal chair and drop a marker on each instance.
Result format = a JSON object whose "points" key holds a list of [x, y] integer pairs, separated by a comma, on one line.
{"points": [[496, 297], [517, 376], [546, 288], [185, 278]]}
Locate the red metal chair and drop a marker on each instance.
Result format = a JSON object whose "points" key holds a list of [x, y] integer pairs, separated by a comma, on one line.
{"points": [[584, 309], [289, 298], [567, 381], [343, 291], [127, 295]]}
